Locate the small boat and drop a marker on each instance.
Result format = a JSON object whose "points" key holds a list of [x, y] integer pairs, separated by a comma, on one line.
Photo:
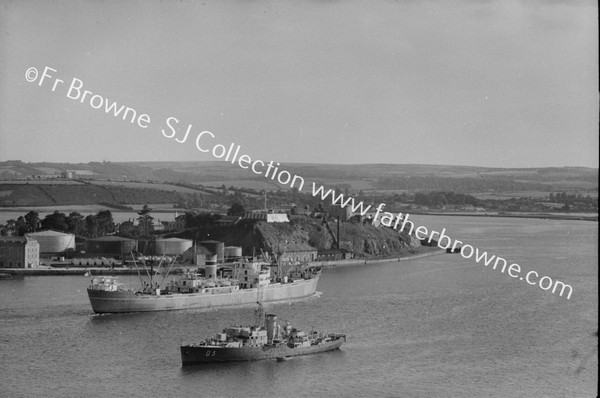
{"points": [[267, 340]]}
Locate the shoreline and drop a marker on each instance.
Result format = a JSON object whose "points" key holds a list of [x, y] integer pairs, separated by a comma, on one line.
{"points": [[21, 272], [581, 216], [389, 258], [545, 216], [94, 271]]}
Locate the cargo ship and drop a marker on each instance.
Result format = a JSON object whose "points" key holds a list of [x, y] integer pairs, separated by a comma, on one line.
{"points": [[260, 341], [251, 282]]}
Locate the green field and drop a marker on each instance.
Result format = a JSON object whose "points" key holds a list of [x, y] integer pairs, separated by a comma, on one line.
{"points": [[145, 185], [257, 185], [40, 182], [138, 182]]}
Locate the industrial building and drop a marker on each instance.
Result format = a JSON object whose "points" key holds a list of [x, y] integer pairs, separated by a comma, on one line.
{"points": [[177, 225], [296, 252], [333, 255], [19, 252], [268, 217]]}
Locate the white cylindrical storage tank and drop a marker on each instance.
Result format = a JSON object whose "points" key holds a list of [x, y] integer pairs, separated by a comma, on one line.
{"points": [[53, 241], [210, 271], [174, 246], [232, 252]]}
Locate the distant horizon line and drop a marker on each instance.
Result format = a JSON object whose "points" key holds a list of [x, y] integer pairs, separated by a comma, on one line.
{"points": [[305, 163]]}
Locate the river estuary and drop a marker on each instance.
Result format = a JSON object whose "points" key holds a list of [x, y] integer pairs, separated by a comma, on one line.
{"points": [[440, 326]]}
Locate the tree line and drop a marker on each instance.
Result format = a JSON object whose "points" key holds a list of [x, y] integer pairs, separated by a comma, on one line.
{"points": [[439, 199], [91, 226]]}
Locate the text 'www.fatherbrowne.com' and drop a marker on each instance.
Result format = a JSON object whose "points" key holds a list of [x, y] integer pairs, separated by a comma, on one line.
{"points": [[206, 142], [400, 221]]}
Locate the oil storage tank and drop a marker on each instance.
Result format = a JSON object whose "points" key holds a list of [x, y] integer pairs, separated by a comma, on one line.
{"points": [[111, 246], [172, 246], [53, 241], [233, 253], [215, 247], [146, 246], [196, 255]]}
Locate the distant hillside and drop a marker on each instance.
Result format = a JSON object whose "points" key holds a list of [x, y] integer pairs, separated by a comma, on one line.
{"points": [[354, 178], [459, 184], [38, 194]]}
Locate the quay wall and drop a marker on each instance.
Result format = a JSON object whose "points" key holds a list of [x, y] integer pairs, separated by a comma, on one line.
{"points": [[133, 271]]}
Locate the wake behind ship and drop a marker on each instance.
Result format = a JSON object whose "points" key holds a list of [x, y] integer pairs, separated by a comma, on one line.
{"points": [[251, 282]]}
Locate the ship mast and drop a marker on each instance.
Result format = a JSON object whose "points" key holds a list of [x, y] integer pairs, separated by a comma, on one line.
{"points": [[259, 313], [138, 271]]}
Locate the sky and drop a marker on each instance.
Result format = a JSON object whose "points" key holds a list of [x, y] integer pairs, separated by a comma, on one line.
{"points": [[478, 83]]}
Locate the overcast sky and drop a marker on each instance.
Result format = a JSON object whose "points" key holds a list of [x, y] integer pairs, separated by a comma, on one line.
{"points": [[481, 83]]}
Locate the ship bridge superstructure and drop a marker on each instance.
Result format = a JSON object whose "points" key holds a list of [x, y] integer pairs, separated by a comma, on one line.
{"points": [[252, 274]]}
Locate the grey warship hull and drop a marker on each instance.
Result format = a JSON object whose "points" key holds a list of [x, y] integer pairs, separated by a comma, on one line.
{"points": [[198, 354]]}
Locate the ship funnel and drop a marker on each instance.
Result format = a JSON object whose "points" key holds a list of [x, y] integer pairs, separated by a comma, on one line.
{"points": [[271, 325], [210, 271]]}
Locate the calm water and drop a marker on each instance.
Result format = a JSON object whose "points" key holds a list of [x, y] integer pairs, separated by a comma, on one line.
{"points": [[441, 326]]}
